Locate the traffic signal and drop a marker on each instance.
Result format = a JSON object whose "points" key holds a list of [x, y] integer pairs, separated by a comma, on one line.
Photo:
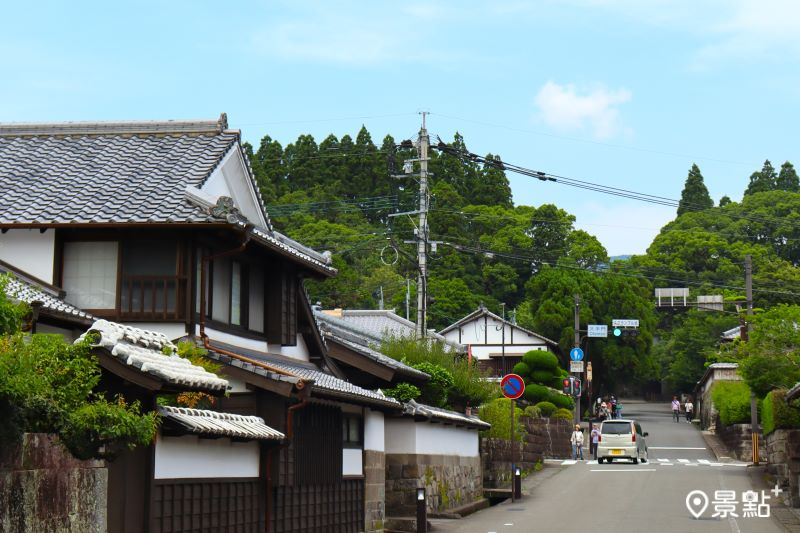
{"points": [[576, 388], [626, 332], [566, 386]]}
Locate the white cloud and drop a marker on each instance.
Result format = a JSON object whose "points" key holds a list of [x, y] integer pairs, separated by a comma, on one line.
{"points": [[568, 108]]}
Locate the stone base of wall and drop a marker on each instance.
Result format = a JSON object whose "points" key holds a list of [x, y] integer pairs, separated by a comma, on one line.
{"points": [[547, 438], [738, 439], [374, 491], [43, 488], [496, 462], [450, 481], [783, 454]]}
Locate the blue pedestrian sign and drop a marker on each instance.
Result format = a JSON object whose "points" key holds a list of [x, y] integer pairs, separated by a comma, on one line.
{"points": [[576, 354]]}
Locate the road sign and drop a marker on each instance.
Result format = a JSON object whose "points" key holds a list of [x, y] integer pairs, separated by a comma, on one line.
{"points": [[597, 330], [513, 386], [589, 371], [576, 366], [625, 323], [576, 354]]}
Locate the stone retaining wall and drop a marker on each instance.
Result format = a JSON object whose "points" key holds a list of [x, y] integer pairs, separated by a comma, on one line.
{"points": [[44, 489], [783, 454], [450, 481], [738, 440]]}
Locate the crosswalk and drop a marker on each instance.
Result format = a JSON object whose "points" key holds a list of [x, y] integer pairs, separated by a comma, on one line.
{"points": [[660, 462]]}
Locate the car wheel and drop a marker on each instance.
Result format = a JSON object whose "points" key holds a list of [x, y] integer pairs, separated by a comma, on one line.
{"points": [[599, 460]]}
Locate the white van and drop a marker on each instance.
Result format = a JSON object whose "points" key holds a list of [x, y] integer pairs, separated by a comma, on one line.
{"points": [[621, 439]]}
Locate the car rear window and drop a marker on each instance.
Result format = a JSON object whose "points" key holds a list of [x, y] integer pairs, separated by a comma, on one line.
{"points": [[616, 428]]}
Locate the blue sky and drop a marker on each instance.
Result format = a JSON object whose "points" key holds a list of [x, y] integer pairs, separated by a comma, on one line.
{"points": [[621, 92]]}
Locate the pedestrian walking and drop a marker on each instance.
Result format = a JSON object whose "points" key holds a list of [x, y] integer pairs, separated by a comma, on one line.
{"points": [[613, 407], [689, 408], [603, 411], [676, 409], [594, 438], [577, 442]]}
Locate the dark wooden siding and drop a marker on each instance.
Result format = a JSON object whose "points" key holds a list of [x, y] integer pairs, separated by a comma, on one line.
{"points": [[317, 445], [335, 508], [206, 506]]}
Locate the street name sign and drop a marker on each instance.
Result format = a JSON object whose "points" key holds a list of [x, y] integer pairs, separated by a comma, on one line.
{"points": [[625, 323], [513, 386], [576, 354], [576, 366], [597, 330]]}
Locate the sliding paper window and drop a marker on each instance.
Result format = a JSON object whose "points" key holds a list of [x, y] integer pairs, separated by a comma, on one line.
{"points": [[90, 274]]}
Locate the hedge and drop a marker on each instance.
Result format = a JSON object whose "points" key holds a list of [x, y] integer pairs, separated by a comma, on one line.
{"points": [[497, 413], [776, 414], [546, 408], [521, 369], [732, 400], [543, 376], [564, 414], [540, 360], [536, 393]]}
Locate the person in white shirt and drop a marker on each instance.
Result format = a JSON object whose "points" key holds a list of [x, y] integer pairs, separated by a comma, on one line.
{"points": [[594, 438], [577, 442], [676, 409], [688, 407]]}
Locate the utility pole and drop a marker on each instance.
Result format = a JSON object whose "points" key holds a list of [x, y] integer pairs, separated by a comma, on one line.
{"points": [[380, 305], [422, 232], [504, 371], [748, 287], [578, 345]]}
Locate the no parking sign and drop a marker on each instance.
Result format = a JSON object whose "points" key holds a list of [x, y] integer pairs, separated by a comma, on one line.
{"points": [[513, 386]]}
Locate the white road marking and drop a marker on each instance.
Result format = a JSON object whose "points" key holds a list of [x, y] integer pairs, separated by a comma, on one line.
{"points": [[569, 462], [508, 524], [667, 464], [673, 448], [592, 462], [701, 461], [660, 460], [717, 464], [684, 461]]}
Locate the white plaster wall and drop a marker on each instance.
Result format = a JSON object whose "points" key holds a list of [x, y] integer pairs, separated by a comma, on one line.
{"points": [[300, 351], [446, 440], [236, 385], [30, 251], [193, 457], [400, 435], [374, 431], [352, 462], [231, 179], [221, 287]]}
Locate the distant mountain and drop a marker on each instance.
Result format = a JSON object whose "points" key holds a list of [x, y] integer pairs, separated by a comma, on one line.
{"points": [[619, 258]]}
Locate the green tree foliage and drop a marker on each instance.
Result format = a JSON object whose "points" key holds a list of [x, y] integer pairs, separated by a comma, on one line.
{"points": [[498, 414], [787, 178], [403, 392], [694, 196], [469, 388], [732, 399], [771, 358], [435, 391], [763, 181]]}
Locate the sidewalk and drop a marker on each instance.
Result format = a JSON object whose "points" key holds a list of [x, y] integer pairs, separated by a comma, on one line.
{"points": [[786, 517]]}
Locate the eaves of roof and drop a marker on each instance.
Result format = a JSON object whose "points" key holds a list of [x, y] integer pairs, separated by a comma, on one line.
{"points": [[485, 312], [377, 357], [435, 414], [215, 424]]}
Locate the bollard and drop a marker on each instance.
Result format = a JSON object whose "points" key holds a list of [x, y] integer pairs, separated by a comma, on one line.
{"points": [[517, 483], [422, 511]]}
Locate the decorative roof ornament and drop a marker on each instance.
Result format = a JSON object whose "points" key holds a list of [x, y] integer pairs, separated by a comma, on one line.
{"points": [[225, 208]]}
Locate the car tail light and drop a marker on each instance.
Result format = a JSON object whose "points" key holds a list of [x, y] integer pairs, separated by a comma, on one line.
{"points": [[599, 438]]}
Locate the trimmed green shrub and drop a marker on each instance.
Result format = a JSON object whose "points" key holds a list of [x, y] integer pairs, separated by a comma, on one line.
{"points": [[435, 391], [543, 376], [546, 408], [561, 400], [521, 369], [540, 360], [533, 411], [776, 414], [564, 414], [732, 400], [498, 414], [536, 393]]}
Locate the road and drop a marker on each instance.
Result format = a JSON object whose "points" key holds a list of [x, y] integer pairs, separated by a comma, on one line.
{"points": [[586, 497]]}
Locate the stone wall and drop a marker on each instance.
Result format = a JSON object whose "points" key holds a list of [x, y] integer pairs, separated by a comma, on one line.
{"points": [[450, 481], [43, 489], [783, 454], [546, 438], [374, 490], [738, 440]]}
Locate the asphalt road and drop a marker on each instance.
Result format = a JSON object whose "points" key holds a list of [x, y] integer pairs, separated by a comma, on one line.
{"points": [[623, 497]]}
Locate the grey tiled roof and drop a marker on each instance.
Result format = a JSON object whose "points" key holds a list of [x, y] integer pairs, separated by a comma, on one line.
{"points": [[379, 324], [29, 292], [731, 334], [415, 409], [144, 350], [105, 178], [201, 422], [324, 384]]}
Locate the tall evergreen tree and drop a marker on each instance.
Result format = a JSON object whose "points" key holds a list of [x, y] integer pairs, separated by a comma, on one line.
{"points": [[762, 181], [695, 195], [787, 178]]}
